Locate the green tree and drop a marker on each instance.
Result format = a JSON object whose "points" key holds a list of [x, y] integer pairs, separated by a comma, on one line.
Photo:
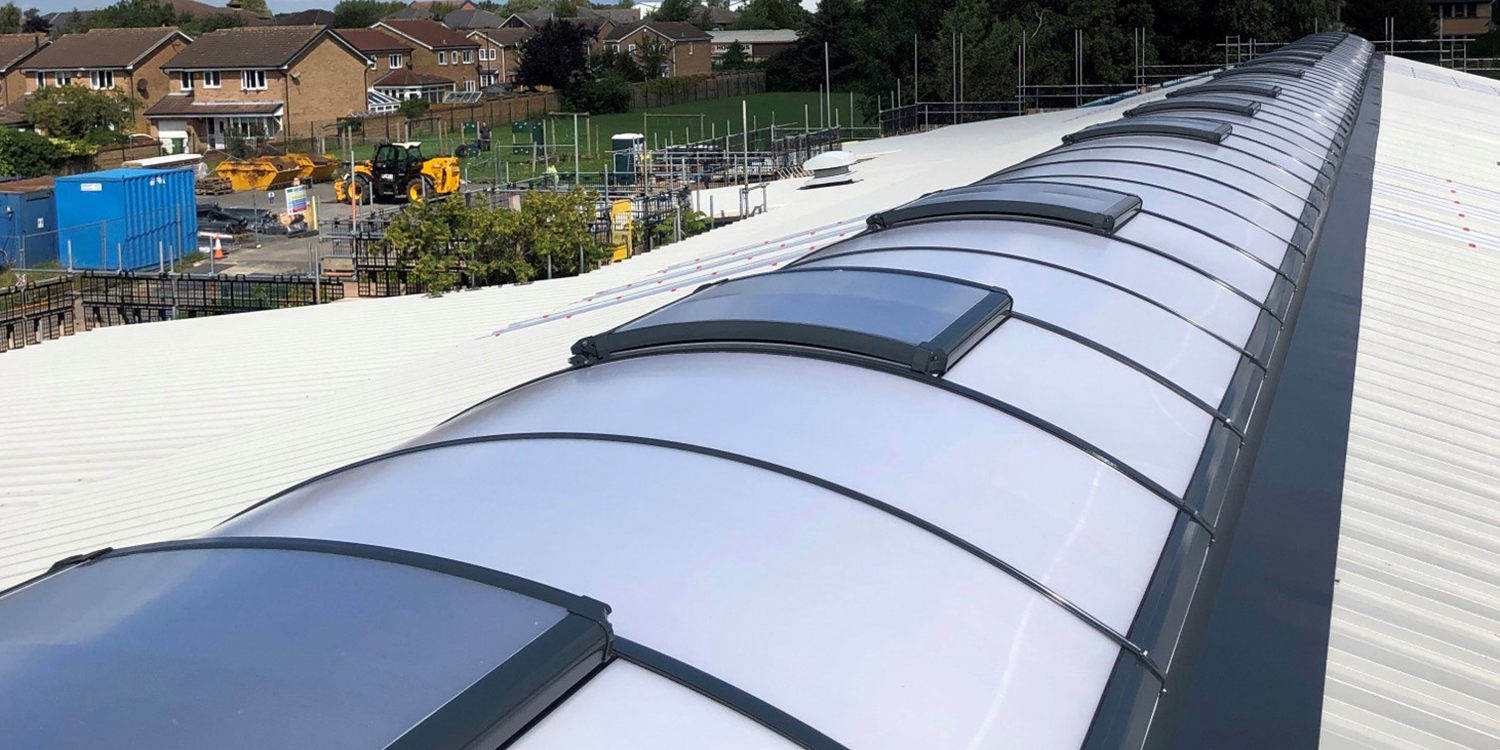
{"points": [[773, 14], [1413, 19], [677, 10], [413, 109], [27, 154], [610, 62], [441, 10], [652, 55], [131, 14], [358, 14], [80, 114], [258, 7], [33, 23], [734, 58], [600, 95], [556, 56], [204, 24], [556, 227], [10, 18]]}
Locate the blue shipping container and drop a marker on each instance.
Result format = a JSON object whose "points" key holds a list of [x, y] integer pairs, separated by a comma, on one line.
{"points": [[28, 235], [126, 218]]}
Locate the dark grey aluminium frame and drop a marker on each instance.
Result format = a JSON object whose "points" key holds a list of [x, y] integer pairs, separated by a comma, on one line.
{"points": [[932, 357], [1174, 618], [499, 705]]}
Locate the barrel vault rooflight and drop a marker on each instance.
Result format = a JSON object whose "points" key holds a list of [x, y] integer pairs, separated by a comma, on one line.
{"points": [[965, 480]]}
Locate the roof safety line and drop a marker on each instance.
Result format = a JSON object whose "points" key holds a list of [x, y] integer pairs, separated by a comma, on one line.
{"points": [[789, 727], [1045, 264]]}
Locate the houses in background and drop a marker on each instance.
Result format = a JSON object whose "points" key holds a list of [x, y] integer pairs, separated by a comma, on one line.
{"points": [[688, 47], [128, 60], [293, 73], [759, 44], [259, 80]]}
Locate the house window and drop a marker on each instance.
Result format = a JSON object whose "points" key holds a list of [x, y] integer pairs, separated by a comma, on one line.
{"points": [[468, 85], [690, 48], [632, 48], [61, 79], [210, 79], [487, 79], [41, 80], [185, 80], [442, 58], [396, 62], [252, 80], [468, 56], [102, 79]]}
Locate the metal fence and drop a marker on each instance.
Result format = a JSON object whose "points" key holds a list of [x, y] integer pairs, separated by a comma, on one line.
{"points": [[923, 115], [37, 311]]}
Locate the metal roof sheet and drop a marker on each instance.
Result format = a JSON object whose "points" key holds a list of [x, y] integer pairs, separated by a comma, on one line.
{"points": [[1414, 648]]}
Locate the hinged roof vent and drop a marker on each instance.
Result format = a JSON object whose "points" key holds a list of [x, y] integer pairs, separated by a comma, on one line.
{"points": [[906, 319], [830, 168], [1090, 208], [1229, 105], [1209, 131], [1292, 58], [1251, 88], [1280, 70]]}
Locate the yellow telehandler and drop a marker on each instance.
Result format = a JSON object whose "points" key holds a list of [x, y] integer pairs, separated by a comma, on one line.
{"points": [[398, 170]]}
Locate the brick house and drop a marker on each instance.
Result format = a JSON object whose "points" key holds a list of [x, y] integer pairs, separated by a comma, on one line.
{"points": [[689, 48], [499, 53], [129, 60], [392, 72], [759, 44], [14, 50], [1461, 17], [260, 81], [438, 52]]}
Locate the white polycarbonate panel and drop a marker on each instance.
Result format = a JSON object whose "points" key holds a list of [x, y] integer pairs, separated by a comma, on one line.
{"points": [[785, 590], [1230, 227], [1109, 404], [1258, 183], [1295, 182], [1215, 206], [1179, 351], [625, 707], [1060, 516], [1215, 258], [1313, 142], [1247, 204], [1293, 161], [1180, 289]]}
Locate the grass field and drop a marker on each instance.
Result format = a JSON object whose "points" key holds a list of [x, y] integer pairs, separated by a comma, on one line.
{"points": [[679, 123]]}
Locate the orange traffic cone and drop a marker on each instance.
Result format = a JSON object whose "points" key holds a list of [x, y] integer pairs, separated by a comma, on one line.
{"points": [[218, 249]]}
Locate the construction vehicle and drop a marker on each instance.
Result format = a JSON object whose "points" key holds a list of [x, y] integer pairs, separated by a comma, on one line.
{"points": [[398, 170]]}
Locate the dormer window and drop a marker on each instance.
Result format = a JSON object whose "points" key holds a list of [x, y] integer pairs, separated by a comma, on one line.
{"points": [[185, 81]]}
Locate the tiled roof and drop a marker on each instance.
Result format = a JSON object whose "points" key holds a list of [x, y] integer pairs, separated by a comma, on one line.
{"points": [[507, 37], [430, 34], [100, 48], [186, 106], [15, 47], [305, 17], [472, 19], [374, 40], [247, 47], [405, 78], [676, 31]]}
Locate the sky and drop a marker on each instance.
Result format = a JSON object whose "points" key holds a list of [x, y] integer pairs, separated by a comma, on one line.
{"points": [[277, 6]]}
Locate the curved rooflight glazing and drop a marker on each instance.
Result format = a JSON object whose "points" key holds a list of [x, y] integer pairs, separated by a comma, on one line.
{"points": [[944, 484]]}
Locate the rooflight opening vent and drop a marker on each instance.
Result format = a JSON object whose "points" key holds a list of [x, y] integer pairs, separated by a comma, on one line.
{"points": [[905, 319], [1208, 131], [1292, 58], [1201, 103], [1252, 88], [1284, 71], [1078, 206]]}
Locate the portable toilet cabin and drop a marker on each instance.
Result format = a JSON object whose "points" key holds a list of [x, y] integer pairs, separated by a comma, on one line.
{"points": [[626, 148], [28, 231], [126, 219]]}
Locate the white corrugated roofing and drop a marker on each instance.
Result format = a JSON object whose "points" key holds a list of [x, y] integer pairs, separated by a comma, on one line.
{"points": [[1414, 653], [148, 432]]}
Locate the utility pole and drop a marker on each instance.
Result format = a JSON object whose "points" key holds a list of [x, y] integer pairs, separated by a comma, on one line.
{"points": [[1077, 67], [827, 80], [916, 81], [961, 96]]}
